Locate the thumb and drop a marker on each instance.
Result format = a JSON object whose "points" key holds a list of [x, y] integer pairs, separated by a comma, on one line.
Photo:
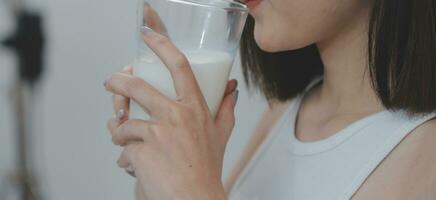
{"points": [[225, 119]]}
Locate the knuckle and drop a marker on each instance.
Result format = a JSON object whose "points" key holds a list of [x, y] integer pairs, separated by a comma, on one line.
{"points": [[123, 129], [180, 61], [120, 162], [177, 112], [117, 140]]}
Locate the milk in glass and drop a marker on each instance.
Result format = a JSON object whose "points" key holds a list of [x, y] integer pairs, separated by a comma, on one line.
{"points": [[211, 70]]}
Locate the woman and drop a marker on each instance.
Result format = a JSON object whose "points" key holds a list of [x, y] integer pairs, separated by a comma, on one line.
{"points": [[350, 86]]}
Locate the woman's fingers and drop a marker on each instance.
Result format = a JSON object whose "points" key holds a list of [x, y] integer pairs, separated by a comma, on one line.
{"points": [[135, 88], [226, 105], [113, 124], [225, 120], [231, 86], [152, 20], [136, 130], [121, 107], [133, 130], [185, 83], [121, 103], [123, 162], [126, 158]]}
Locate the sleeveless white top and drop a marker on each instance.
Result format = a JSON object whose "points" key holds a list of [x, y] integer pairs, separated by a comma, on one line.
{"points": [[284, 168]]}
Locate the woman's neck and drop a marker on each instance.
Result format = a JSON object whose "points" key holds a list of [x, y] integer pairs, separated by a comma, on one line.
{"points": [[347, 85]]}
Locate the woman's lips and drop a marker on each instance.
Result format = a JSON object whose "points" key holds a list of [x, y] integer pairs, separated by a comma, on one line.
{"points": [[251, 4]]}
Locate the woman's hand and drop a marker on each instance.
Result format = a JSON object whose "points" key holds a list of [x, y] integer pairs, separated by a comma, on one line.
{"points": [[178, 154]]}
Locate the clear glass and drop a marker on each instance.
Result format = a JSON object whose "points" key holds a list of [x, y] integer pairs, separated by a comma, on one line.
{"points": [[206, 31]]}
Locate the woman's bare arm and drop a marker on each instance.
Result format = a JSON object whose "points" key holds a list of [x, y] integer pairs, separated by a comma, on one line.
{"points": [[270, 116]]}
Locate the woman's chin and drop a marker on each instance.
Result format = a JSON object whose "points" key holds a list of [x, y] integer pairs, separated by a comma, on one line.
{"points": [[272, 43], [266, 43], [270, 46], [267, 47]]}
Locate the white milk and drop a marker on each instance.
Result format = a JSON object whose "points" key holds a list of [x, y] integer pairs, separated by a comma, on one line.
{"points": [[211, 69]]}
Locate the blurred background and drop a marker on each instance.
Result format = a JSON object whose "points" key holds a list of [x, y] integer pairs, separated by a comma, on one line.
{"points": [[72, 154]]}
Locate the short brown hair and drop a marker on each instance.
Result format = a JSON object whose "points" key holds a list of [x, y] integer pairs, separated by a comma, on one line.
{"points": [[401, 55]]}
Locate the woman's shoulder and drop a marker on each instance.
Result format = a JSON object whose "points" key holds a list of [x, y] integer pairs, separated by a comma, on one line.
{"points": [[419, 151], [421, 146], [409, 172], [422, 142]]}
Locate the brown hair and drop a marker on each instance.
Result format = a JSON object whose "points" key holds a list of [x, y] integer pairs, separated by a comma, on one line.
{"points": [[401, 55]]}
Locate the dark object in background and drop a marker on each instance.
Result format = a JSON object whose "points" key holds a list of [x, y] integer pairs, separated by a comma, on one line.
{"points": [[28, 43]]}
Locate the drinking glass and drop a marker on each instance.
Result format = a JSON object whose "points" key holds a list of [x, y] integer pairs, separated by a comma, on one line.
{"points": [[207, 32]]}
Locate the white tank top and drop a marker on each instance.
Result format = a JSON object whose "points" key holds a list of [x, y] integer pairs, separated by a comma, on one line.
{"points": [[284, 168]]}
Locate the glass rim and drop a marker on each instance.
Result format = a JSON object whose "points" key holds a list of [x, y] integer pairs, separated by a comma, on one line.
{"points": [[210, 4]]}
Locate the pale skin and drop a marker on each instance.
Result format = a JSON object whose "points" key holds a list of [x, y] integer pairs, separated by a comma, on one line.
{"points": [[189, 165], [182, 144]]}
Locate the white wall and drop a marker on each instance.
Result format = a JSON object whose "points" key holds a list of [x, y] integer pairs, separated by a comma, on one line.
{"points": [[88, 40], [6, 148]]}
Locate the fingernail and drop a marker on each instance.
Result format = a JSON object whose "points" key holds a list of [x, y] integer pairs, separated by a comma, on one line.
{"points": [[121, 114], [235, 96], [145, 30]]}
